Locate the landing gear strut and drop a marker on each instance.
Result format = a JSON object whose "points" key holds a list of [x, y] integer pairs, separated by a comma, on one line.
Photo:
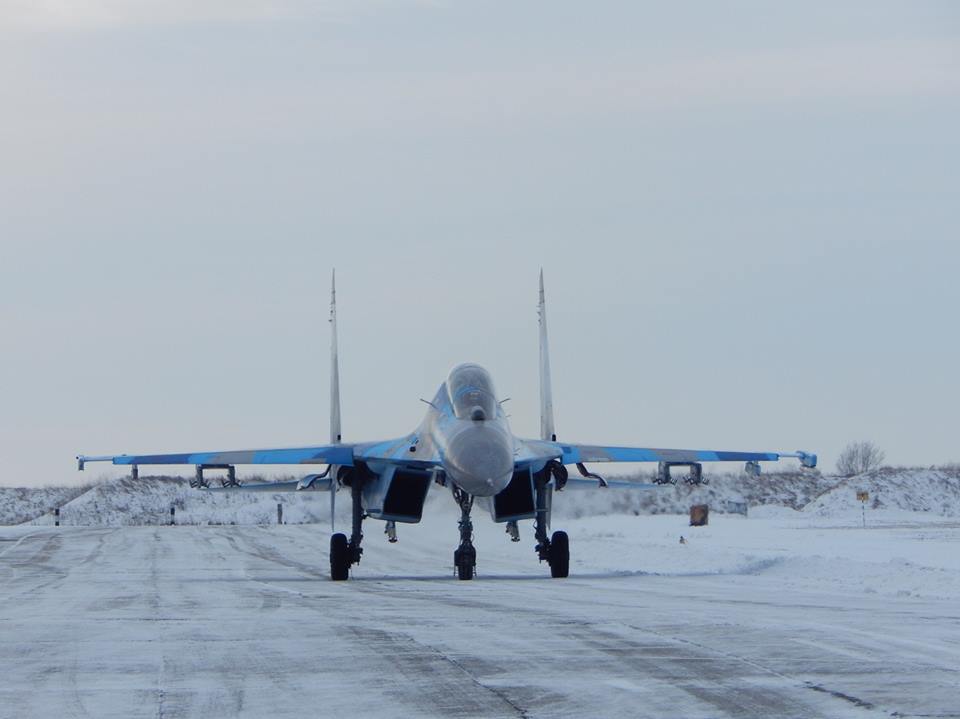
{"points": [[555, 550], [344, 554], [465, 557]]}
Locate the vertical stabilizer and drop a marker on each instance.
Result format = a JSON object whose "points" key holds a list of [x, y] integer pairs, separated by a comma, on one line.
{"points": [[334, 365], [547, 428], [334, 394]]}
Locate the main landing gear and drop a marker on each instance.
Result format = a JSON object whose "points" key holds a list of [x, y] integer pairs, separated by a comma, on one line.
{"points": [[558, 554], [465, 557], [344, 554], [556, 549]]}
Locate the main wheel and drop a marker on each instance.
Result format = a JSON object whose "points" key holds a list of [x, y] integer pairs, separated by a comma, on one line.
{"points": [[559, 555], [339, 557], [465, 559]]}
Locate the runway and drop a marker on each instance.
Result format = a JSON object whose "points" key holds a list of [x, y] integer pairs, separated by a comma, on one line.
{"points": [[243, 621]]}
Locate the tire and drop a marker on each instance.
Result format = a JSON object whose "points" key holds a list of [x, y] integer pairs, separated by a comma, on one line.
{"points": [[465, 560], [559, 555], [339, 558]]}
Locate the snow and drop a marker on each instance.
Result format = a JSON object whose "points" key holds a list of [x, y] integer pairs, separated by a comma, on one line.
{"points": [[147, 500], [788, 489], [20, 504], [129, 502], [905, 557], [783, 613], [934, 490], [808, 496]]}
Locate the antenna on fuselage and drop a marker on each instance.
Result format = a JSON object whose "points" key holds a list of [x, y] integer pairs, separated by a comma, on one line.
{"points": [[547, 428]]}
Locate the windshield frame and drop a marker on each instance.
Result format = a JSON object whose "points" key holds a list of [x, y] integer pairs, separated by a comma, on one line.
{"points": [[469, 386]]}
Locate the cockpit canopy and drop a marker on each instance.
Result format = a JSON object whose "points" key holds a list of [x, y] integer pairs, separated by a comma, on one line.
{"points": [[471, 392]]}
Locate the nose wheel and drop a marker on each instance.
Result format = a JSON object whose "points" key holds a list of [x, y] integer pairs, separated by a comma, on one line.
{"points": [[465, 556], [465, 561]]}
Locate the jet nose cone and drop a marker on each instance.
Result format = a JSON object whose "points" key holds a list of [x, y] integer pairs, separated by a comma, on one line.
{"points": [[480, 460]]}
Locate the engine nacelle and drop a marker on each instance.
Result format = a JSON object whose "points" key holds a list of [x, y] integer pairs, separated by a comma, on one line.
{"points": [[516, 501], [396, 494]]}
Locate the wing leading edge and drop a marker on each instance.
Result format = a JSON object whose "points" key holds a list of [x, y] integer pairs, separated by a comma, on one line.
{"points": [[341, 454]]}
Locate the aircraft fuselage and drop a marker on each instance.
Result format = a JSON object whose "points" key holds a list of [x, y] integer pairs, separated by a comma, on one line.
{"points": [[471, 433]]}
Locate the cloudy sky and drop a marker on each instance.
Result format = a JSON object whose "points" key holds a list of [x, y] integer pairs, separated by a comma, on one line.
{"points": [[747, 213]]}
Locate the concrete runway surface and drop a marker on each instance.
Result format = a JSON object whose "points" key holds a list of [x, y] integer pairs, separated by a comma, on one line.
{"points": [[243, 621]]}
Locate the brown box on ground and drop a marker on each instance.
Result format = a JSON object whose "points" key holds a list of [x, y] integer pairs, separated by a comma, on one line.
{"points": [[699, 514]]}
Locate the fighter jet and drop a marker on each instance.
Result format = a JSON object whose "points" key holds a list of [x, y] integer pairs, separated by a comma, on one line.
{"points": [[464, 444]]}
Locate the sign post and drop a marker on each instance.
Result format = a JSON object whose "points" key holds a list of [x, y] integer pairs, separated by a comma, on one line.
{"points": [[863, 497]]}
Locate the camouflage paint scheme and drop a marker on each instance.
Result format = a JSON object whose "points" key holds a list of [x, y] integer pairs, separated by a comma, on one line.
{"points": [[479, 456]]}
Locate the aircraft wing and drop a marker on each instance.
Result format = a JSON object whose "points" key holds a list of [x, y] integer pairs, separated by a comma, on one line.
{"points": [[393, 451], [532, 450], [341, 454], [592, 485], [312, 483]]}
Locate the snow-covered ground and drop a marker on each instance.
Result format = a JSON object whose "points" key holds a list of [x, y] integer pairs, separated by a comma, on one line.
{"points": [[21, 504], [125, 501], [129, 502], [918, 490], [781, 614]]}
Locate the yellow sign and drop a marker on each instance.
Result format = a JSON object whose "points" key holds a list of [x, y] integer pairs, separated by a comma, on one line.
{"points": [[863, 496]]}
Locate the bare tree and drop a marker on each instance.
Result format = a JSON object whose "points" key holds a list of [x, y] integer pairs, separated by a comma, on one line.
{"points": [[859, 457]]}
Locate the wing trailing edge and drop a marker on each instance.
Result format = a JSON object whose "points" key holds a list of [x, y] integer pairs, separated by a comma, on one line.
{"points": [[569, 453]]}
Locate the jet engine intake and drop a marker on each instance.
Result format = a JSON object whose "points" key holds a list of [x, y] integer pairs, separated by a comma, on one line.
{"points": [[397, 494], [517, 500]]}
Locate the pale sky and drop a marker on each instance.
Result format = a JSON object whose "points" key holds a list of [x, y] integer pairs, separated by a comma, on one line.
{"points": [[747, 215]]}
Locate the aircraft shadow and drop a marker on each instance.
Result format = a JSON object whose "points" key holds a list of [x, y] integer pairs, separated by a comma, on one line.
{"points": [[480, 577]]}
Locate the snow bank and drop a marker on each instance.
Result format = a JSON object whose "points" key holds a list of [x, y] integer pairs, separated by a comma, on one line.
{"points": [[21, 504], [128, 502], [895, 495], [911, 490], [785, 489], [917, 560]]}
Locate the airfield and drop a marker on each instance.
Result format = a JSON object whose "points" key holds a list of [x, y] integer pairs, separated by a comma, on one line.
{"points": [[782, 614]]}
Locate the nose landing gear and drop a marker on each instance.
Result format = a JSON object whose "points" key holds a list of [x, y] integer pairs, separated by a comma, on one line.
{"points": [[465, 557]]}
